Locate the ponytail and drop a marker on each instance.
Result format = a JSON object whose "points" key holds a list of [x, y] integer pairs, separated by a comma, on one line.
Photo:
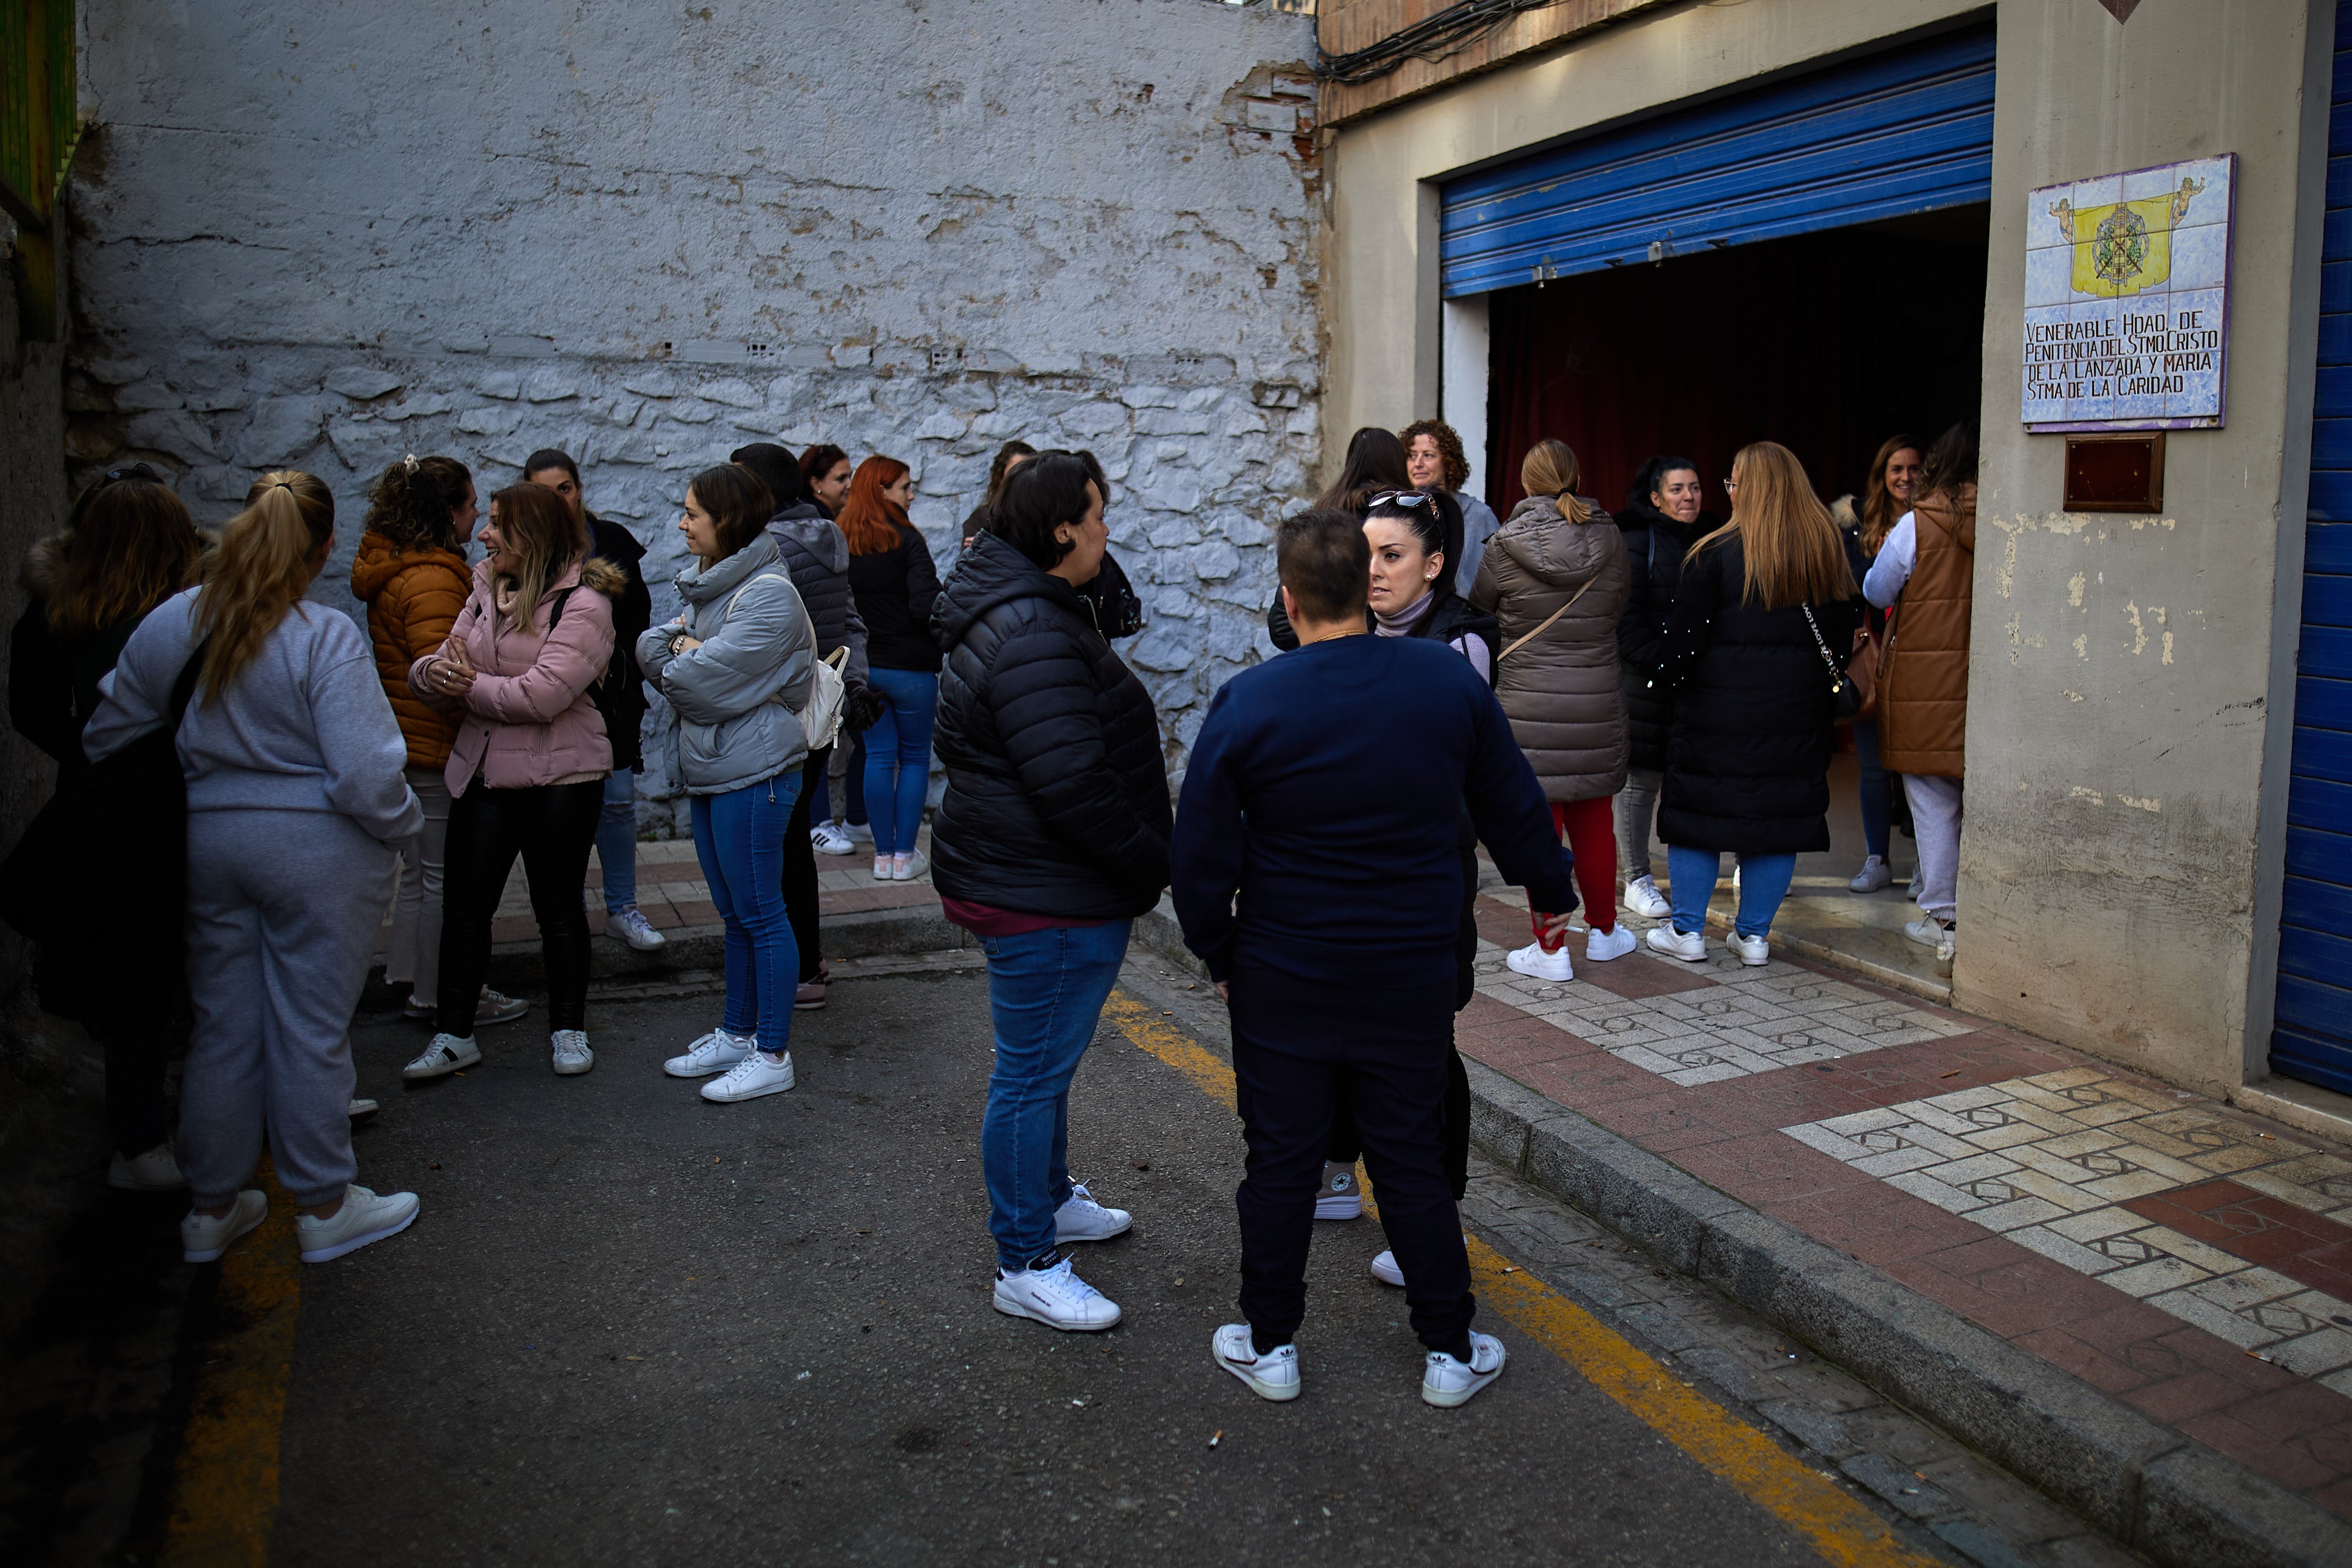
{"points": [[261, 569]]}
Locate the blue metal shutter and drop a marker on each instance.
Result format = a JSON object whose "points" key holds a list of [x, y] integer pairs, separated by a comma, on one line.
{"points": [[2313, 1037], [1905, 131]]}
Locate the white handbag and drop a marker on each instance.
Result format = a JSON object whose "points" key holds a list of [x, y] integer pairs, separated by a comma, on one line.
{"points": [[820, 720]]}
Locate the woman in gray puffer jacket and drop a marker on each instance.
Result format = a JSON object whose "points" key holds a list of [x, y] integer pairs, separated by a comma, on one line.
{"points": [[736, 664], [1555, 578]]}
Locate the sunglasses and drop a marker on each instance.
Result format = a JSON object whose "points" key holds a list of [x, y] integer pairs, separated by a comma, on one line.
{"points": [[1402, 499], [134, 471]]}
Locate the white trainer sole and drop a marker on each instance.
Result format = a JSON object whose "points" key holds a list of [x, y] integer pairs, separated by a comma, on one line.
{"points": [[353, 1244], [1449, 1399], [1013, 1309], [1247, 1373], [212, 1254]]}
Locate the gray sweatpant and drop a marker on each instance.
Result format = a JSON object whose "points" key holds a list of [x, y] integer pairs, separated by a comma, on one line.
{"points": [[1936, 823], [283, 911]]}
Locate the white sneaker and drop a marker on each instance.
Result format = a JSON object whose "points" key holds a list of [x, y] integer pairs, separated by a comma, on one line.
{"points": [[1643, 897], [757, 1074], [448, 1054], [204, 1237], [714, 1053], [497, 1007], [882, 868], [859, 833], [1385, 1270], [157, 1170], [909, 866], [1446, 1381], [632, 926], [830, 839], [1927, 931], [1056, 1297], [1536, 964], [364, 1217], [361, 1110], [1688, 946], [568, 1053], [1875, 874], [1604, 946], [1754, 951], [1084, 1219], [1340, 1198], [1274, 1376]]}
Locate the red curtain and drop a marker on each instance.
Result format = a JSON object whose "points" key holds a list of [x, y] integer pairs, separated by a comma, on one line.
{"points": [[1827, 343]]}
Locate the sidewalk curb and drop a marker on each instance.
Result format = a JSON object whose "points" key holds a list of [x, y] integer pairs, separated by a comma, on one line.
{"points": [[2152, 1488]]}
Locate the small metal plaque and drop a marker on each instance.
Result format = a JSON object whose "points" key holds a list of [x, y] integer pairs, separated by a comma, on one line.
{"points": [[2119, 473]]}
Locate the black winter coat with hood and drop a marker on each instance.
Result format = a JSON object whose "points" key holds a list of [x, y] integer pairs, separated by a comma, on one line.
{"points": [[1747, 769], [816, 552], [1654, 546], [1056, 798], [633, 611]]}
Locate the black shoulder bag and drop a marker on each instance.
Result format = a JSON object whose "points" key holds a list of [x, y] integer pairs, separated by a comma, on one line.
{"points": [[100, 881]]}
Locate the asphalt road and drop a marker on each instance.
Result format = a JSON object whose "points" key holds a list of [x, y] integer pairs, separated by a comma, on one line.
{"points": [[632, 1326]]}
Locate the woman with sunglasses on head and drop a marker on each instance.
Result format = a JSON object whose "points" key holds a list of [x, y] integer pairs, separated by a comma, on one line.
{"points": [[293, 761], [525, 774], [1555, 578], [1764, 612], [736, 665], [127, 546]]}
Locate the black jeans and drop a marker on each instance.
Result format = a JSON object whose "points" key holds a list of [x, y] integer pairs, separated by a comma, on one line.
{"points": [[553, 826], [1300, 1051], [800, 865], [137, 1116]]}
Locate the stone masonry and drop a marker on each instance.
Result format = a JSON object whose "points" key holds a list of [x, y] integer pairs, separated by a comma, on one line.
{"points": [[649, 235]]}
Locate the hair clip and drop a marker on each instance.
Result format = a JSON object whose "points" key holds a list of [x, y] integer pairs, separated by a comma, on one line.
{"points": [[409, 462]]}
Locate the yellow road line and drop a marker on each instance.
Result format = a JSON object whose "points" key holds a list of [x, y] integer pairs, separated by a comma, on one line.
{"points": [[224, 1484], [1839, 1527]]}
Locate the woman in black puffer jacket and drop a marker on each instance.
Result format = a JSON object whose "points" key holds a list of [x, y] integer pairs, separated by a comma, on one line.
{"points": [[1051, 839], [1662, 519]]}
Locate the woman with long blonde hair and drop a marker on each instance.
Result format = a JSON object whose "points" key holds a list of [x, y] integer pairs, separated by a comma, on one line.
{"points": [[295, 804], [526, 773], [1763, 623]]}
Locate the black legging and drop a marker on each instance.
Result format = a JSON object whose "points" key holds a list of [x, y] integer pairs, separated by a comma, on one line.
{"points": [[800, 865], [553, 826]]}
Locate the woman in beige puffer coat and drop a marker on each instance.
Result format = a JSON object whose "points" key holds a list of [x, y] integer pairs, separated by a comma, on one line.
{"points": [[1560, 687]]}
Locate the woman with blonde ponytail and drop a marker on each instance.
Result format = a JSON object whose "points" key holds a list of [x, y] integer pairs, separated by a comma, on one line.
{"points": [[525, 774], [295, 802]]}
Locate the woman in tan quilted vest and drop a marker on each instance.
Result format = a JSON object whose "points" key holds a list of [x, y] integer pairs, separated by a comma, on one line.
{"points": [[1925, 574], [1554, 577]]}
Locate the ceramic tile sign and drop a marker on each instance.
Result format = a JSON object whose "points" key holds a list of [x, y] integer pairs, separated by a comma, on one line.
{"points": [[2127, 299]]}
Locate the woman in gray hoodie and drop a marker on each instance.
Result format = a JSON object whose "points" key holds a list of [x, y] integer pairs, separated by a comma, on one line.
{"points": [[735, 665]]}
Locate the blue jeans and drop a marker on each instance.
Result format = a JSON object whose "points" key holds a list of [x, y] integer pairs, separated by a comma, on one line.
{"points": [[1877, 806], [738, 837], [1046, 991], [616, 840], [1763, 883], [899, 756]]}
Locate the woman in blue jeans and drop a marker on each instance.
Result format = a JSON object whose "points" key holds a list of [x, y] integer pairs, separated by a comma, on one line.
{"points": [[1885, 498], [735, 666], [894, 584], [1051, 839]]}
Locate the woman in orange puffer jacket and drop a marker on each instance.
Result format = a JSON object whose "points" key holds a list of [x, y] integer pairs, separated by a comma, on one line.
{"points": [[413, 576]]}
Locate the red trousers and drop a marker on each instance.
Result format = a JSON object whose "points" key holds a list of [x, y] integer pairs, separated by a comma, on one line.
{"points": [[1590, 827]]}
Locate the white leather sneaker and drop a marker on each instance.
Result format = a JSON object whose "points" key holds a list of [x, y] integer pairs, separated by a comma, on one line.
{"points": [[908, 865], [882, 868], [1688, 946], [1754, 951], [828, 839], [364, 1217], [632, 926], [448, 1054], [714, 1053], [1603, 945], [1273, 1376], [1643, 897], [1538, 965], [157, 1170], [204, 1237], [1446, 1381], [1056, 1297], [1875, 874], [1084, 1219], [756, 1075], [568, 1051], [1385, 1270]]}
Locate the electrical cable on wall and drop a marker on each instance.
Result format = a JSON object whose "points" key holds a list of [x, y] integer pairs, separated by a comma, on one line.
{"points": [[1433, 38]]}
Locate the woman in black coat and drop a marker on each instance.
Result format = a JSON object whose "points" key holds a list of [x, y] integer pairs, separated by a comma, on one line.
{"points": [[1764, 613], [129, 544], [1051, 839], [1662, 519]]}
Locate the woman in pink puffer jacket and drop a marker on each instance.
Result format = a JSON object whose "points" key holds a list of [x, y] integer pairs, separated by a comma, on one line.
{"points": [[525, 774]]}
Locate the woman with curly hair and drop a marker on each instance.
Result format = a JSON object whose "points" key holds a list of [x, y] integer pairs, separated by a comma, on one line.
{"points": [[1433, 460]]}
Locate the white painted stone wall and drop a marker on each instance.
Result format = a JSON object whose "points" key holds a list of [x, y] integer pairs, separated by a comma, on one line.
{"points": [[326, 236]]}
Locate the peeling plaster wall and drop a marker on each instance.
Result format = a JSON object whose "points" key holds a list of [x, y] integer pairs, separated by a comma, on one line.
{"points": [[326, 236], [2129, 673]]}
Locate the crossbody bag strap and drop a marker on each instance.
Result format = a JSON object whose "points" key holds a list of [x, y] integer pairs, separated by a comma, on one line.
{"points": [[1829, 660], [1545, 624]]}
